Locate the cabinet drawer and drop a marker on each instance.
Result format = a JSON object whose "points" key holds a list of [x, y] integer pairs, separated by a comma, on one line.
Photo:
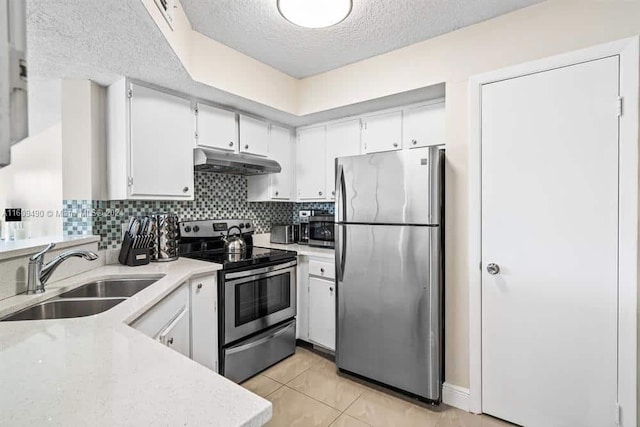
{"points": [[322, 269], [160, 315]]}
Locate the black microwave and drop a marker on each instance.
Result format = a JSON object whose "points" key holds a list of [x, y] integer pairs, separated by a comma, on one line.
{"points": [[321, 231]]}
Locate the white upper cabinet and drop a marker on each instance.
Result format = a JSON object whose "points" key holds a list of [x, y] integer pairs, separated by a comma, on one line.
{"points": [[150, 146], [382, 132], [343, 139], [276, 186], [424, 125], [282, 150], [310, 164], [254, 136], [216, 128]]}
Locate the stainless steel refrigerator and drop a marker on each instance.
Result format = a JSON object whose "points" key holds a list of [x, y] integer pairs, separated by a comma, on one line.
{"points": [[389, 270]]}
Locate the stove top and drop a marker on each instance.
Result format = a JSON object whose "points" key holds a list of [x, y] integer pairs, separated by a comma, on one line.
{"points": [[203, 240], [253, 256]]}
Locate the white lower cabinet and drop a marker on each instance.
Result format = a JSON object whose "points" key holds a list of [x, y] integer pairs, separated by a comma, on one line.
{"points": [[322, 312], [204, 321], [186, 321], [316, 321], [177, 335]]}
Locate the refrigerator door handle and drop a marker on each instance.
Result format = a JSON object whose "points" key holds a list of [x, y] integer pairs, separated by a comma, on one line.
{"points": [[340, 193]]}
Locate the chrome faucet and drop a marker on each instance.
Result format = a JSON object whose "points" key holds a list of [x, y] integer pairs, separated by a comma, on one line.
{"points": [[39, 273]]}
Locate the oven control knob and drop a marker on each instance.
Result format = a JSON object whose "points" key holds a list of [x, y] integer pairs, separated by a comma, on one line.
{"points": [[187, 229], [241, 225], [196, 228], [248, 225]]}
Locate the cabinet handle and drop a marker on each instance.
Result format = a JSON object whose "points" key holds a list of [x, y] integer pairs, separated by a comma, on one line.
{"points": [[170, 341], [231, 144], [319, 193], [414, 142], [333, 193], [322, 270], [185, 190], [199, 285], [246, 147], [277, 193], [395, 144], [330, 289]]}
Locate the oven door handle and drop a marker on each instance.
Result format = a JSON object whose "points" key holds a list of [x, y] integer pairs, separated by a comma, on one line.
{"points": [[258, 342], [243, 274]]}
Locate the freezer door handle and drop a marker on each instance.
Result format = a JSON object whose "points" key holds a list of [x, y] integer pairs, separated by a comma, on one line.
{"points": [[341, 197]]}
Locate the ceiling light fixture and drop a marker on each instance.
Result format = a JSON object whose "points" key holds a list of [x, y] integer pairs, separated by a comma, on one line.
{"points": [[315, 13]]}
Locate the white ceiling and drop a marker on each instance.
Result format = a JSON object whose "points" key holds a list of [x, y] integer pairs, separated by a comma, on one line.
{"points": [[375, 26]]}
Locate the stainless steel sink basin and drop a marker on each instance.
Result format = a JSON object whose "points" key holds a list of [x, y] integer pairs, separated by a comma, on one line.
{"points": [[110, 288], [63, 309]]}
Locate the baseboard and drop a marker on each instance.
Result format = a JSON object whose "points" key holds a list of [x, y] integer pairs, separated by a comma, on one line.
{"points": [[455, 396]]}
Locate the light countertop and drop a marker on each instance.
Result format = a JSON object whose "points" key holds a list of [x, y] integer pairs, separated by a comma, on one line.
{"points": [[16, 248], [263, 240], [99, 371]]}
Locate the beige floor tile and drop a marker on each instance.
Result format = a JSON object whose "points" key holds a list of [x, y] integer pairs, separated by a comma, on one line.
{"points": [[452, 417], [292, 366], [261, 385], [345, 420], [328, 388], [381, 410], [293, 409]]}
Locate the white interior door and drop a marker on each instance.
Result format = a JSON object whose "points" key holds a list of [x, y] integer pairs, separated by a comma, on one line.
{"points": [[550, 222]]}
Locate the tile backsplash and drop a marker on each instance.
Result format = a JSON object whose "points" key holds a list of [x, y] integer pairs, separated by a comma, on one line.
{"points": [[216, 196]]}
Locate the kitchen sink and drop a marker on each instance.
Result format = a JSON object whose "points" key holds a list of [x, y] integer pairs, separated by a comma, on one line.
{"points": [[64, 309], [110, 288]]}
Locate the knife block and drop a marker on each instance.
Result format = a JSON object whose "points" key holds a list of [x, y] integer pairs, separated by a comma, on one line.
{"points": [[130, 254]]}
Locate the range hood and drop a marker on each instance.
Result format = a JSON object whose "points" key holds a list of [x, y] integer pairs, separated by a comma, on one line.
{"points": [[232, 163]]}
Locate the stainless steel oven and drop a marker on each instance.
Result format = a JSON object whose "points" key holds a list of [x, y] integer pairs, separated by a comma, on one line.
{"points": [[257, 299], [321, 231]]}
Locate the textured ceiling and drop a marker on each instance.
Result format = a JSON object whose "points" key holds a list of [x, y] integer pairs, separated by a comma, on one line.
{"points": [[104, 41], [375, 26]]}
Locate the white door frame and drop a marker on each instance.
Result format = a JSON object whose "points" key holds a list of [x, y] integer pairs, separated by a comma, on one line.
{"points": [[629, 51]]}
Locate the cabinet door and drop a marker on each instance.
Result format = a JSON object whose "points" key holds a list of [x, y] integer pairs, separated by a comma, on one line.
{"points": [[281, 149], [161, 145], [322, 312], [424, 126], [310, 166], [254, 136], [177, 334], [302, 317], [343, 139], [217, 128], [382, 132], [204, 322]]}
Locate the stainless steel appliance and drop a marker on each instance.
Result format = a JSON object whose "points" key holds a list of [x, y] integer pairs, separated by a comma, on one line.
{"points": [[321, 230], [13, 76], [389, 252], [256, 296], [284, 233], [303, 218], [233, 163]]}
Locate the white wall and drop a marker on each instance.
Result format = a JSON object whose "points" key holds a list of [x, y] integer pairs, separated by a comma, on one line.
{"points": [[33, 180], [84, 140]]}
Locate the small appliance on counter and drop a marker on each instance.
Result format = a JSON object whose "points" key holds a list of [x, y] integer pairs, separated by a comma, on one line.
{"points": [[285, 234], [321, 230], [136, 243], [303, 227]]}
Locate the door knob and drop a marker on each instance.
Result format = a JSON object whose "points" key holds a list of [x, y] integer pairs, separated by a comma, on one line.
{"points": [[493, 269]]}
